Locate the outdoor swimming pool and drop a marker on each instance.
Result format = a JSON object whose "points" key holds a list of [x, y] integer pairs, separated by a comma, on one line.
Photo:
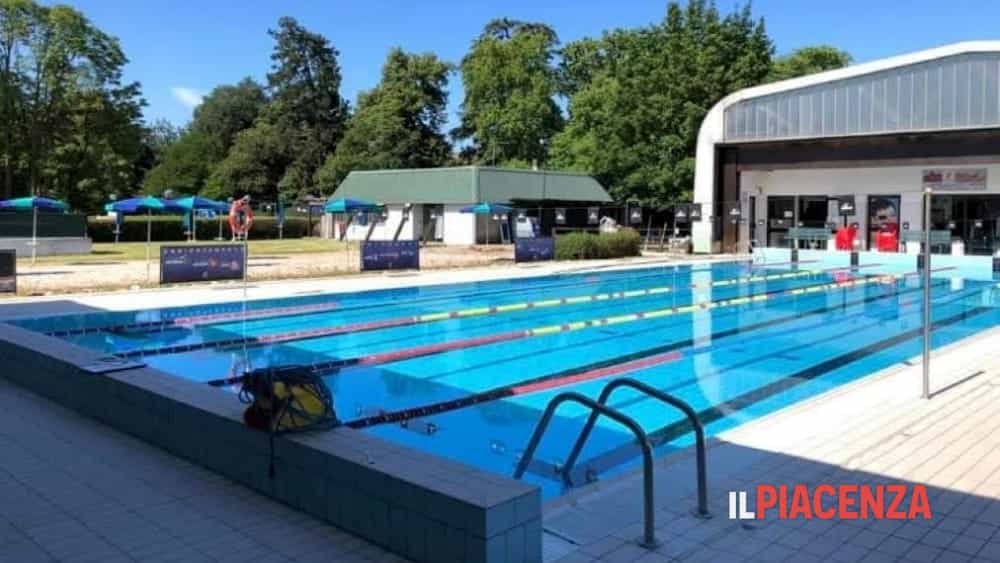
{"points": [[464, 371]]}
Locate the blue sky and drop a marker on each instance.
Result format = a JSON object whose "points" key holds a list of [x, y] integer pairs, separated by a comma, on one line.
{"points": [[180, 49]]}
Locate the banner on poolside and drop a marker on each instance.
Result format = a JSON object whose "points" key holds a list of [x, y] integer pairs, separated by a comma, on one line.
{"points": [[209, 262], [390, 255], [534, 249], [8, 271]]}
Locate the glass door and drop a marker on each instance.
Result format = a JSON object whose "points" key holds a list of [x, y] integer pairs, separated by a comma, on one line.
{"points": [[813, 214], [980, 232], [780, 216]]}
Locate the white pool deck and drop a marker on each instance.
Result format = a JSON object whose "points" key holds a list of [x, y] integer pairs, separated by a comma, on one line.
{"points": [[72, 489]]}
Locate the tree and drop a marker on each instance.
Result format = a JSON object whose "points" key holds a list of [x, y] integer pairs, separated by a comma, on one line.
{"points": [[398, 123], [72, 127], [226, 111], [159, 135], [510, 111], [637, 97], [808, 60], [254, 166], [186, 165], [306, 115]]}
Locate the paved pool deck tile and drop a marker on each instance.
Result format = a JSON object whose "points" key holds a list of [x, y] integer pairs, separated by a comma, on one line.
{"points": [[874, 431], [74, 490]]}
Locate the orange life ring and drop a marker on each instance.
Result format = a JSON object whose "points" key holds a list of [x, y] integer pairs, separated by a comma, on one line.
{"points": [[240, 217]]}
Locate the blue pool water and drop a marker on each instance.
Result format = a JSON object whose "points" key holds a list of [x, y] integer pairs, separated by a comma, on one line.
{"points": [[759, 339]]}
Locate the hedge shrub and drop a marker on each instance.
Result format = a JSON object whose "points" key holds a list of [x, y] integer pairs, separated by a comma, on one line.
{"points": [[577, 246], [173, 229]]}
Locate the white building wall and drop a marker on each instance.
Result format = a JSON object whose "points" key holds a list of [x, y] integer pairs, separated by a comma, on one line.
{"points": [[459, 228], [904, 181], [385, 229]]}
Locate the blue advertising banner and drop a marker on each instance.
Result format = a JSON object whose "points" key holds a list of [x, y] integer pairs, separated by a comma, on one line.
{"points": [[390, 255], [207, 262], [8, 271], [534, 249]]}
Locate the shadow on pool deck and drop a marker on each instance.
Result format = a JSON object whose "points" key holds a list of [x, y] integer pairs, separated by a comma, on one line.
{"points": [[875, 431], [73, 489]]}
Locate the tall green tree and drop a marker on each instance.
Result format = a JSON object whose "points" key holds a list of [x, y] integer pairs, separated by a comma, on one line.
{"points": [[511, 82], [808, 60], [306, 114], [72, 126], [226, 111], [186, 165], [397, 123], [637, 96]]}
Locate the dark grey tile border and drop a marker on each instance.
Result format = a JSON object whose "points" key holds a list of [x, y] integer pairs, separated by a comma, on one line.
{"points": [[417, 505]]}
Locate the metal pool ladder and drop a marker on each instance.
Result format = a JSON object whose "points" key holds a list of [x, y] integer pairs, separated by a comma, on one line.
{"points": [[600, 407]]}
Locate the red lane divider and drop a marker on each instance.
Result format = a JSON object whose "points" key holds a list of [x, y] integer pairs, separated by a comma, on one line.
{"points": [[536, 385], [417, 351], [195, 320]]}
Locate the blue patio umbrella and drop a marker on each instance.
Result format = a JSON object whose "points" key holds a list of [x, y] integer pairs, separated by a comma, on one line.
{"points": [[194, 203], [147, 205], [34, 203], [488, 209]]}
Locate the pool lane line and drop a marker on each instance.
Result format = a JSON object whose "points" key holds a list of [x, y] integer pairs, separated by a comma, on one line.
{"points": [[939, 301], [353, 328], [431, 349], [615, 366], [523, 388], [708, 415], [160, 325], [192, 321]]}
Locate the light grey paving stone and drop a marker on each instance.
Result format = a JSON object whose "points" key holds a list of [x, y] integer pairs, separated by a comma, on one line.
{"points": [[981, 531], [868, 539], [575, 557], [849, 553], [967, 545], [878, 557], [922, 553], [938, 538], [83, 493], [602, 546], [624, 554]]}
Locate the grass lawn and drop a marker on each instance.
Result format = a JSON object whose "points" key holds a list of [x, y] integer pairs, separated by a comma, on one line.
{"points": [[124, 251]]}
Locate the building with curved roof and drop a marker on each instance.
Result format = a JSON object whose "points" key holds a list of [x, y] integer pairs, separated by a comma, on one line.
{"points": [[875, 135]]}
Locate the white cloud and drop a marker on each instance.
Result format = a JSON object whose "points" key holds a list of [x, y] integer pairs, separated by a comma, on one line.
{"points": [[187, 96]]}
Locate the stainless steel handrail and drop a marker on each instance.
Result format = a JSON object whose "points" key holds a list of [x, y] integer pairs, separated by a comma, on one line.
{"points": [[699, 432], [649, 533]]}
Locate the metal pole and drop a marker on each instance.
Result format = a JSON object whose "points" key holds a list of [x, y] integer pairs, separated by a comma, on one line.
{"points": [[34, 231], [149, 239], [926, 392]]}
